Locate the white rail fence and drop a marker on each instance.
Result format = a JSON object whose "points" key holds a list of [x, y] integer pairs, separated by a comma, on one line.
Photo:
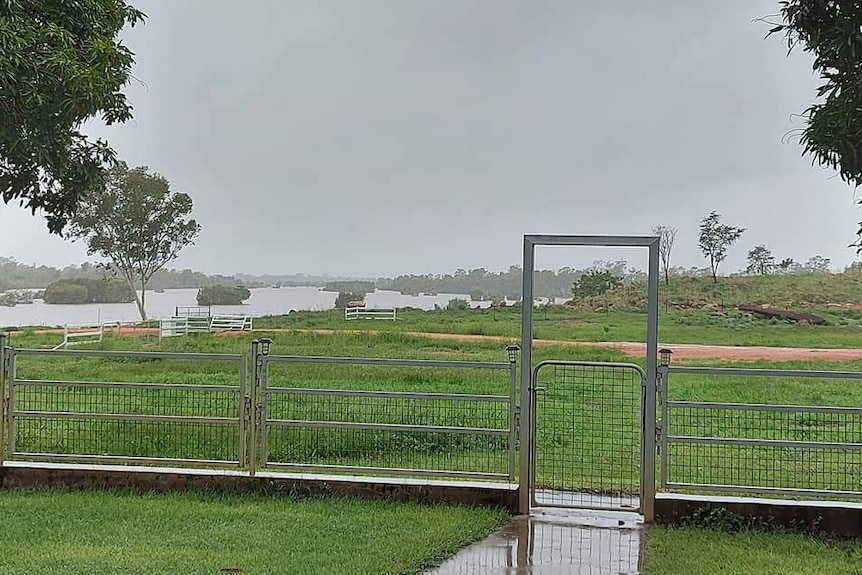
{"points": [[352, 313], [179, 326], [74, 334]]}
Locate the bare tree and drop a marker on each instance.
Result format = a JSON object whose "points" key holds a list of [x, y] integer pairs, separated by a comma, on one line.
{"points": [[667, 235]]}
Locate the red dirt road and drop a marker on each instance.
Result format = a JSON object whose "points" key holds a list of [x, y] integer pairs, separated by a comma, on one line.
{"points": [[680, 350], [634, 349]]}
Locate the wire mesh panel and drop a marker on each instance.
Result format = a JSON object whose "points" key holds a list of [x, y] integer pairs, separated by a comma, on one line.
{"points": [[392, 417], [759, 447], [587, 435], [157, 419]]}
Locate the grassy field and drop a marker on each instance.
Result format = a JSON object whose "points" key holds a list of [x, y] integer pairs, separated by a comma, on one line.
{"points": [[101, 532], [575, 432], [729, 327], [697, 551]]}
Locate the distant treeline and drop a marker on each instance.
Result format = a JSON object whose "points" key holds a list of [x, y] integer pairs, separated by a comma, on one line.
{"points": [[15, 275], [480, 283], [353, 287]]}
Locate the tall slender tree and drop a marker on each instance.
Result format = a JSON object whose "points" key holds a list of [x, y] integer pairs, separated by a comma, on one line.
{"points": [[714, 240], [137, 223]]}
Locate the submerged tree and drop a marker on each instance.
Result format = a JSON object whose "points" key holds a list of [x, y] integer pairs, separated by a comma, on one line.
{"points": [[61, 64], [137, 223]]}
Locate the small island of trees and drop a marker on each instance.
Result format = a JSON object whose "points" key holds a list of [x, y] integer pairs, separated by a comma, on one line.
{"points": [[223, 295]]}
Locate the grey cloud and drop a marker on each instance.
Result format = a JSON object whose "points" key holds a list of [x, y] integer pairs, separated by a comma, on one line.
{"points": [[391, 137]]}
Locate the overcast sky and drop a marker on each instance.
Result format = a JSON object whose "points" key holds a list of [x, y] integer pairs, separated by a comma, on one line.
{"points": [[376, 137]]}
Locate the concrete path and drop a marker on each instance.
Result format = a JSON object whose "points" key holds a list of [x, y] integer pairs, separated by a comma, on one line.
{"points": [[553, 541]]}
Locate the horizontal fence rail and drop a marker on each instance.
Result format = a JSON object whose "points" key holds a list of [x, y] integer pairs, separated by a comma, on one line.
{"points": [[388, 432], [758, 448], [126, 422]]}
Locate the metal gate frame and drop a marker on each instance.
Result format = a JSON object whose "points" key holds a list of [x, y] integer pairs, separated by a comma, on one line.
{"points": [[648, 455]]}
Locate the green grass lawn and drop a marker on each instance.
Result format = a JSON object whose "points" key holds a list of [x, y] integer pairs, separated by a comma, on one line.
{"points": [[48, 532], [697, 551]]}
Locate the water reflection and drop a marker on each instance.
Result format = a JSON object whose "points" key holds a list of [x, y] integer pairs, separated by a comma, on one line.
{"points": [[553, 541]]}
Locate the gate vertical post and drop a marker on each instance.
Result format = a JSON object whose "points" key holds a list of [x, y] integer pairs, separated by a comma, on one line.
{"points": [[512, 351], [663, 373], [526, 471], [648, 442]]}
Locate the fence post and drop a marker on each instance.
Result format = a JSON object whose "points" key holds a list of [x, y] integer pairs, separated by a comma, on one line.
{"points": [[244, 410], [664, 426], [512, 351], [259, 350], [3, 408], [263, 399], [252, 413], [10, 369]]}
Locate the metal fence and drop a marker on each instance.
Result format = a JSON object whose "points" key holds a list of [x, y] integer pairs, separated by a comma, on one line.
{"points": [[713, 440], [196, 409], [50, 417], [588, 438], [414, 430]]}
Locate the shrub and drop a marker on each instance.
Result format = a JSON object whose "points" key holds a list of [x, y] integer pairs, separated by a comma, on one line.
{"points": [[457, 304]]}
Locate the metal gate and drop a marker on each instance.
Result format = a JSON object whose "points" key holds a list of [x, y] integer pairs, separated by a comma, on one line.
{"points": [[594, 444], [587, 425]]}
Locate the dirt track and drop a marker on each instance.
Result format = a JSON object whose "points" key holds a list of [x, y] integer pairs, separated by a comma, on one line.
{"points": [[680, 350], [634, 349]]}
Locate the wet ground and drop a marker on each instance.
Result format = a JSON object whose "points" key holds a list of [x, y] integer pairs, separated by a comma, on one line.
{"points": [[552, 541]]}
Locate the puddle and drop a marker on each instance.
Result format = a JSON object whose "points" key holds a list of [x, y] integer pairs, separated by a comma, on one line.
{"points": [[552, 541]]}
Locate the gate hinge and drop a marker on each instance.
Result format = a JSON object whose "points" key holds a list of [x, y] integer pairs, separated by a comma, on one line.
{"points": [[247, 408], [517, 422], [659, 429]]}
